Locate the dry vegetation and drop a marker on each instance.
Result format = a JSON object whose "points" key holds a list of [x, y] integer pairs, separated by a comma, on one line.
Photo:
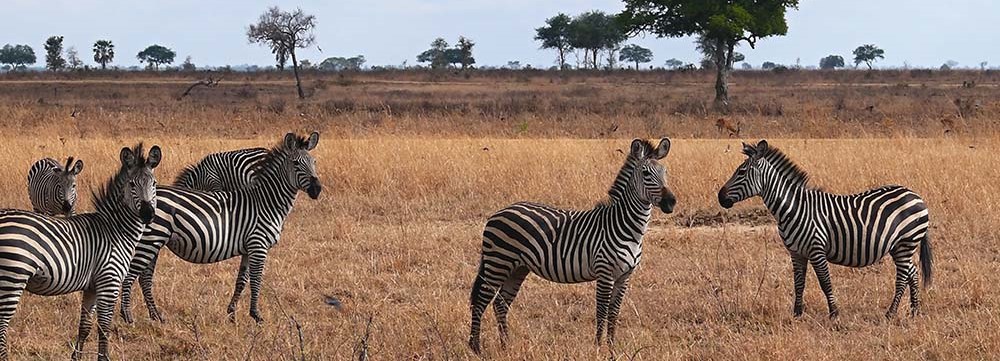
{"points": [[412, 166]]}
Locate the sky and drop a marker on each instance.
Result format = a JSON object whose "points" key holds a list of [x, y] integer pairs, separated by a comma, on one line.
{"points": [[914, 33]]}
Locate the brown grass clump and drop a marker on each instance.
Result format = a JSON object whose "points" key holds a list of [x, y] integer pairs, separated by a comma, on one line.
{"points": [[395, 236]]}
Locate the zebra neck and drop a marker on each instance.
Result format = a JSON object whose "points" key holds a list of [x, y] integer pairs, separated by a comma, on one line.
{"points": [[275, 189], [782, 196], [631, 213]]}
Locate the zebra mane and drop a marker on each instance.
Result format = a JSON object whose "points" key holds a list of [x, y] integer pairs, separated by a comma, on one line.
{"points": [[106, 197], [272, 159], [186, 174], [625, 173], [786, 168]]}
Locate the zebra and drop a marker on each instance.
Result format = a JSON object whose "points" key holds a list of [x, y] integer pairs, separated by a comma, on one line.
{"points": [[52, 187], [208, 227], [819, 228], [87, 252], [223, 171], [602, 244]]}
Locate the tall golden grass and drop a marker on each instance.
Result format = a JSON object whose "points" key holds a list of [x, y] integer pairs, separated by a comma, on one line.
{"points": [[395, 236]]}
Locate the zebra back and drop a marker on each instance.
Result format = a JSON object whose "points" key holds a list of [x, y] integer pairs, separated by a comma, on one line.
{"points": [[223, 171]]}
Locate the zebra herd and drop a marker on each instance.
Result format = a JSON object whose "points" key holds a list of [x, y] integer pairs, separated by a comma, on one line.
{"points": [[234, 204]]}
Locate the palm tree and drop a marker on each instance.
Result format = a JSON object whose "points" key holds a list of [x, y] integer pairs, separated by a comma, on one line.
{"points": [[104, 52]]}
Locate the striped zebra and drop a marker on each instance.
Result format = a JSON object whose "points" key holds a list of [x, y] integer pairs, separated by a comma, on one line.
{"points": [[208, 227], [819, 228], [602, 244], [52, 187], [88, 252], [223, 171]]}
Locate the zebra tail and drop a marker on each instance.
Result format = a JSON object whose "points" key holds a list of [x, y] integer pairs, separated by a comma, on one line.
{"points": [[926, 259]]}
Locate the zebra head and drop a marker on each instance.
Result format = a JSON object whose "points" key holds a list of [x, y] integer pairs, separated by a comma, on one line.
{"points": [[140, 185], [650, 177], [66, 184], [747, 181], [300, 166]]}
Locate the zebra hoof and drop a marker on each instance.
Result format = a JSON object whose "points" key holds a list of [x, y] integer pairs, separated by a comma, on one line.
{"points": [[834, 313], [257, 317], [474, 346], [127, 317]]}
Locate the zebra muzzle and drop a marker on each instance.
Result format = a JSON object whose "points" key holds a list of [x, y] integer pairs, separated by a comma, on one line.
{"points": [[146, 213], [67, 208], [724, 200], [314, 188]]}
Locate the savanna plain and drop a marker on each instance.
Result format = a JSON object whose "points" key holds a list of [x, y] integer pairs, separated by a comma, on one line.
{"points": [[414, 162]]}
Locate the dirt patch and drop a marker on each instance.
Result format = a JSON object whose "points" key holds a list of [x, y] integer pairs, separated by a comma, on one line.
{"points": [[716, 217]]}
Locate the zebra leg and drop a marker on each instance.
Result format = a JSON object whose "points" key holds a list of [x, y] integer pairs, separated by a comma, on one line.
{"points": [[799, 267], [621, 286], [242, 277], [146, 252], [146, 284], [105, 312], [257, 259], [10, 296], [508, 292], [822, 269], [484, 289], [86, 323], [914, 291], [604, 290], [902, 276]]}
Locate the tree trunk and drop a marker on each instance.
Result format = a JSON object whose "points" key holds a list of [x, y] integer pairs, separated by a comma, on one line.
{"points": [[596, 55], [723, 55], [295, 70], [562, 59], [636, 65]]}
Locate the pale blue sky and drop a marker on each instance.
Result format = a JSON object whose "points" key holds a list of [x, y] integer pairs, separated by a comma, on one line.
{"points": [[919, 32]]}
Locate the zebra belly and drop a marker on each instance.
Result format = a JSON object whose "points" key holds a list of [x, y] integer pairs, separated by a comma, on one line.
{"points": [[44, 284]]}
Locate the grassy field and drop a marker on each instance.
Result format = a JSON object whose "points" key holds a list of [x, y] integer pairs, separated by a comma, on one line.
{"points": [[395, 235]]}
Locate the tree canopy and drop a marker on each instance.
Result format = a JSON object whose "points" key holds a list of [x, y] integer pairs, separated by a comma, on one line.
{"points": [[17, 56], [594, 31], [154, 55], [556, 35], [831, 62], [636, 54], [338, 63], [868, 54], [726, 22], [54, 53]]}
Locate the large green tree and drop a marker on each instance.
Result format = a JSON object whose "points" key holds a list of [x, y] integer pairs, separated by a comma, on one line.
{"points": [[594, 31], [726, 22], [437, 55], [636, 54], [284, 32], [868, 54], [463, 53], [556, 35], [54, 53], [831, 62], [17, 56], [338, 63], [154, 55], [104, 52]]}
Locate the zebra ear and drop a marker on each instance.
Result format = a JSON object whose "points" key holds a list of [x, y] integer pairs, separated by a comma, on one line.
{"points": [[127, 157], [77, 167], [290, 141], [663, 149], [762, 145], [313, 141], [155, 155], [638, 148]]}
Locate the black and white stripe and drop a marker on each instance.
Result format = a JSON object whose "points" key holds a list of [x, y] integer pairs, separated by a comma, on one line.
{"points": [[52, 187], [223, 171], [209, 227], [819, 228], [602, 244], [87, 252]]}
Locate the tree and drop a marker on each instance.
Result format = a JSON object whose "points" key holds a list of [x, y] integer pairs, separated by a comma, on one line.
{"points": [[463, 52], [342, 64], [513, 65], [636, 54], [831, 62], [868, 54], [767, 65], [673, 63], [982, 65], [556, 35], [948, 65], [104, 52], [73, 58], [746, 66], [707, 48], [154, 55], [305, 64], [187, 65], [17, 56], [437, 55], [724, 22], [284, 32], [594, 31], [54, 53]]}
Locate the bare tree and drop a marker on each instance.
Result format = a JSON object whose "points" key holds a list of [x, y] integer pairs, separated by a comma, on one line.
{"points": [[283, 32]]}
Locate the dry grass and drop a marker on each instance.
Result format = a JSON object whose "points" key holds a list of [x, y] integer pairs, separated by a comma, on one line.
{"points": [[395, 237]]}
